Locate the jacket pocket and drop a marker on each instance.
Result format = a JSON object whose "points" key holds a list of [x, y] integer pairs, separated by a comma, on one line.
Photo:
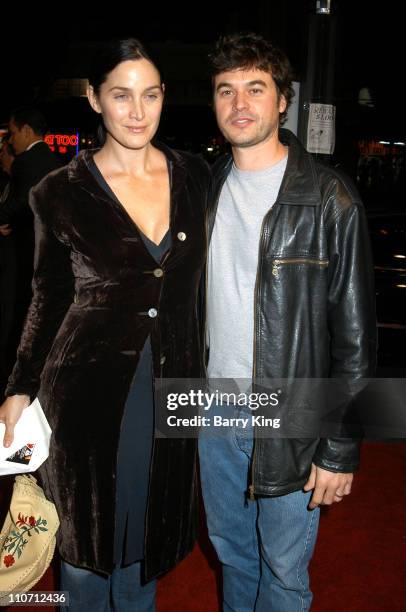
{"points": [[312, 261]]}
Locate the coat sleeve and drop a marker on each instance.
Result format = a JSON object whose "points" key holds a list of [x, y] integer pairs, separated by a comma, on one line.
{"points": [[53, 290], [351, 317]]}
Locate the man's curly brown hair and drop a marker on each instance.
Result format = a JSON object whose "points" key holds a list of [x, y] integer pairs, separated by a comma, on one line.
{"points": [[250, 51]]}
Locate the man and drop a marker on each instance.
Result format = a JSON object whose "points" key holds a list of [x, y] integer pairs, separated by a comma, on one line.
{"points": [[33, 160], [289, 296]]}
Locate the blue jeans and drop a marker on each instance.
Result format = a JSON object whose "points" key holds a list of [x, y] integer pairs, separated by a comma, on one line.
{"points": [[121, 591], [264, 546]]}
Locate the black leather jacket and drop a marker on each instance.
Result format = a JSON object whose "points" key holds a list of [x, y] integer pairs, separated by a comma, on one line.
{"points": [[314, 305]]}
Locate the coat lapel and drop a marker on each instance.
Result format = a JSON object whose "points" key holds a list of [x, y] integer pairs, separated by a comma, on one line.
{"points": [[80, 173]]}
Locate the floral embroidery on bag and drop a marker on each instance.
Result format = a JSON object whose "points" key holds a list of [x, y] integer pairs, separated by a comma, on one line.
{"points": [[16, 541]]}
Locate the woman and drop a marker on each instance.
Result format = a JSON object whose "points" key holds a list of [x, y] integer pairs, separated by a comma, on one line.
{"points": [[119, 253]]}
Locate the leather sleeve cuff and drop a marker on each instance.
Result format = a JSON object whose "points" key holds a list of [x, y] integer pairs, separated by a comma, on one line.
{"points": [[338, 454]]}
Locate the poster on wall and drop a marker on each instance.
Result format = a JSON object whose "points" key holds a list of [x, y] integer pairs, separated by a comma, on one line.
{"points": [[321, 129]]}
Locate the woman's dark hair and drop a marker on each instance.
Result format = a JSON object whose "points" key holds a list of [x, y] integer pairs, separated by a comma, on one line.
{"points": [[249, 51], [111, 54], [108, 57]]}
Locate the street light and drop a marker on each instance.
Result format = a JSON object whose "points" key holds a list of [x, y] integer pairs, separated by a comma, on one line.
{"points": [[323, 7]]}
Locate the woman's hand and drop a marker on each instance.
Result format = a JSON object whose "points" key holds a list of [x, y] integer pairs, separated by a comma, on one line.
{"points": [[10, 412]]}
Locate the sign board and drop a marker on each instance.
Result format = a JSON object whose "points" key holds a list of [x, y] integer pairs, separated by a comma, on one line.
{"points": [[321, 129], [63, 143]]}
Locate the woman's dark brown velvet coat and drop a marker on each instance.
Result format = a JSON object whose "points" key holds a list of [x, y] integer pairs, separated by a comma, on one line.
{"points": [[94, 288]]}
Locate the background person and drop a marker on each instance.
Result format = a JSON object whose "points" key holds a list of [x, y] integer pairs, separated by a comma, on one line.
{"points": [[33, 160]]}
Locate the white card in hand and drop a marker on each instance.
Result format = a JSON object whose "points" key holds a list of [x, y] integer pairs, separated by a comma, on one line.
{"points": [[30, 446]]}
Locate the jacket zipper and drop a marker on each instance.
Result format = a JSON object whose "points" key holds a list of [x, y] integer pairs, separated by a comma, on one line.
{"points": [[296, 260], [275, 271], [251, 488], [208, 239]]}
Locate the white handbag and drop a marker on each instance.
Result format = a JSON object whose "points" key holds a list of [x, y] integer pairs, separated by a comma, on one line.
{"points": [[30, 446]]}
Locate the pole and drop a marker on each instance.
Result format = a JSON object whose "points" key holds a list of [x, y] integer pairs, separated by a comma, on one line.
{"points": [[317, 110]]}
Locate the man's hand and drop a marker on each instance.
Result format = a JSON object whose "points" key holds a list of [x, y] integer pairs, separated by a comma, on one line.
{"points": [[5, 230], [328, 487]]}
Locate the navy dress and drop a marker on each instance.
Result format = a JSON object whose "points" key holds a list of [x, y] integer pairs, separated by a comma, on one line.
{"points": [[137, 431]]}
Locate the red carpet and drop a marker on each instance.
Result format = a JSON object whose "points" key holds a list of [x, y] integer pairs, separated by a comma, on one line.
{"points": [[360, 559]]}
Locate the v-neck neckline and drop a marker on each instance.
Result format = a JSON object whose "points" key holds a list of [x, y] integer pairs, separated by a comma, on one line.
{"points": [[164, 237], [123, 208]]}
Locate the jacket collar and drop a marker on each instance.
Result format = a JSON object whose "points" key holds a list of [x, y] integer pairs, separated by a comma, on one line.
{"points": [[299, 184], [34, 147]]}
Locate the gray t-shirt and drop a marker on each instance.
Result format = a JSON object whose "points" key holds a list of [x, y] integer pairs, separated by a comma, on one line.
{"points": [[245, 198]]}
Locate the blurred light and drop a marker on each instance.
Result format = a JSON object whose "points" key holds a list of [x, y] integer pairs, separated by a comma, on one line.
{"points": [[401, 286], [385, 142], [399, 256], [365, 98], [400, 144], [323, 7], [210, 149]]}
